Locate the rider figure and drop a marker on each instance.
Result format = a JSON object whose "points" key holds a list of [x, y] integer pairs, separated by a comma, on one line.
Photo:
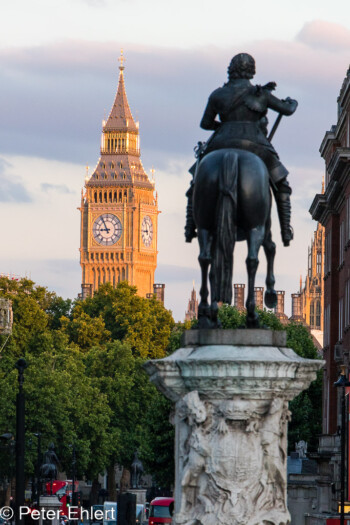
{"points": [[242, 109]]}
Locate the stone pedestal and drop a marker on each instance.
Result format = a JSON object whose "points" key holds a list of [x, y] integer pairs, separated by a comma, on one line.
{"points": [[140, 495], [49, 503], [231, 390]]}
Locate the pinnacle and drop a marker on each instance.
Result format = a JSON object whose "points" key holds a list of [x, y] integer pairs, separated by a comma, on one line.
{"points": [[120, 117]]}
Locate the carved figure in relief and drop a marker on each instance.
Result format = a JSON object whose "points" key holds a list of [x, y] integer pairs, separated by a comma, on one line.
{"points": [[233, 462], [273, 434], [195, 453]]}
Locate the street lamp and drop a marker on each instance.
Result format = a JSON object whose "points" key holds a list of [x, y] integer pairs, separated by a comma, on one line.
{"points": [[38, 465], [21, 365], [342, 383], [8, 441]]}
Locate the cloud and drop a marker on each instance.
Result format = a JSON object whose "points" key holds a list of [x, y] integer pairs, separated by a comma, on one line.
{"points": [[12, 189], [59, 188], [320, 34], [55, 96]]}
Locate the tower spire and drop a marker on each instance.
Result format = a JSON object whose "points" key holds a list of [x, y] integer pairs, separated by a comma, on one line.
{"points": [[121, 60], [120, 118]]}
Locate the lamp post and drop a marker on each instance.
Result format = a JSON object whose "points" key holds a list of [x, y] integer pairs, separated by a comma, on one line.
{"points": [[38, 464], [73, 475], [21, 365], [342, 383], [8, 441]]}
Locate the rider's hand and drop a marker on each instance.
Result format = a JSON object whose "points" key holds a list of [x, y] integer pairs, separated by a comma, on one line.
{"points": [[292, 102]]}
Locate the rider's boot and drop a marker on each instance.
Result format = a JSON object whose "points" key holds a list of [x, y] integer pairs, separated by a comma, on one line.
{"points": [[190, 227], [284, 213]]}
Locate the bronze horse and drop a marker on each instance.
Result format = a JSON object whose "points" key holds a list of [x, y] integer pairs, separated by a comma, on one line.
{"points": [[232, 202]]}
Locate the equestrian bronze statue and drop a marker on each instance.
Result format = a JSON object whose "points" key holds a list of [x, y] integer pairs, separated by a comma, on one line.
{"points": [[229, 198]]}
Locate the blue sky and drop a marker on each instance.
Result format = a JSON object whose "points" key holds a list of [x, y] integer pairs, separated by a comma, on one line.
{"points": [[58, 77]]}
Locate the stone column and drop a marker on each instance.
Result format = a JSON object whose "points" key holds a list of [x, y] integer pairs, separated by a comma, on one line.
{"points": [[51, 504], [231, 390]]}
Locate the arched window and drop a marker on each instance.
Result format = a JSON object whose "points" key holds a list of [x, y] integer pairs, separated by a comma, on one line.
{"points": [[110, 196], [312, 315], [318, 315], [95, 196], [105, 196], [125, 196], [100, 196], [115, 197], [120, 196]]}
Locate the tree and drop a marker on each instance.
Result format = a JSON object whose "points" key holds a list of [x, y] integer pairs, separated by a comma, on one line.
{"points": [[61, 401], [157, 443], [306, 408], [117, 330]]}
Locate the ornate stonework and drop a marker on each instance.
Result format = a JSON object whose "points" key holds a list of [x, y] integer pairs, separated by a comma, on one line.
{"points": [[119, 208], [231, 415]]}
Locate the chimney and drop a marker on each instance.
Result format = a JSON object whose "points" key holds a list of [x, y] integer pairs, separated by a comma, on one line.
{"points": [[238, 296], [259, 297]]}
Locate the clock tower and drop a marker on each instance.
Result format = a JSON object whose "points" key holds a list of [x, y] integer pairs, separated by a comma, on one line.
{"points": [[119, 208]]}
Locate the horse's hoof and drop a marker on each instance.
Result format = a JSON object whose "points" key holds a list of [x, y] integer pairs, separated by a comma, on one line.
{"points": [[253, 321], [270, 298], [204, 322]]}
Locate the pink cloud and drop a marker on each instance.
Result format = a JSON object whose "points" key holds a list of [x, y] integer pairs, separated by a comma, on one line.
{"points": [[320, 34]]}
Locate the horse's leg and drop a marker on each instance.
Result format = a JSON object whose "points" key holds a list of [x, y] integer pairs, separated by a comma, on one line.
{"points": [[255, 238], [270, 251], [204, 258], [214, 308]]}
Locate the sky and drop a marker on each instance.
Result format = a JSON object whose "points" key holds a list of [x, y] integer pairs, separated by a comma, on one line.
{"points": [[58, 78]]}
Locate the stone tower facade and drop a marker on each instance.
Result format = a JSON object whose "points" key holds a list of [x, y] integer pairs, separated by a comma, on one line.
{"points": [[119, 208], [314, 284], [192, 309]]}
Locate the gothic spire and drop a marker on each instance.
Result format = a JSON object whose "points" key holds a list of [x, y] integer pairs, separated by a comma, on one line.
{"points": [[120, 117]]}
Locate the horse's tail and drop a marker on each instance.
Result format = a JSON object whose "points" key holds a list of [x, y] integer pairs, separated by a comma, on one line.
{"points": [[226, 227]]}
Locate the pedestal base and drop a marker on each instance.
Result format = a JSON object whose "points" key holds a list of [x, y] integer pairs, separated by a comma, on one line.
{"points": [[49, 503], [140, 495], [231, 414]]}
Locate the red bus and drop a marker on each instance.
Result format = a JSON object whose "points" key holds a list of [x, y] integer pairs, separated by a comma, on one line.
{"points": [[161, 511], [63, 490]]}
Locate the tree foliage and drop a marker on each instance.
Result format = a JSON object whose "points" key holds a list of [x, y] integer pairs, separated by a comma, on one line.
{"points": [[84, 383]]}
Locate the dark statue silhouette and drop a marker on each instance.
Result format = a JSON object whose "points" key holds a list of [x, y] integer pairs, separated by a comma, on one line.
{"points": [[230, 198], [48, 469], [136, 472]]}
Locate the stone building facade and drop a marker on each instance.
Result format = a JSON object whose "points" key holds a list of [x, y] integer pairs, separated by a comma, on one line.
{"points": [[119, 208], [313, 291], [192, 308], [332, 210]]}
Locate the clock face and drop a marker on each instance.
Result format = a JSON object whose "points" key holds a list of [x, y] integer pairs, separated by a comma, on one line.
{"points": [[107, 229], [147, 230]]}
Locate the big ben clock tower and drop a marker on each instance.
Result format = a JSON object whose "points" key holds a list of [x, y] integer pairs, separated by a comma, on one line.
{"points": [[119, 208]]}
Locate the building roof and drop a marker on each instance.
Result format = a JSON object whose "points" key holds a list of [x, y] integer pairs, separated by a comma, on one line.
{"points": [[121, 169], [120, 117]]}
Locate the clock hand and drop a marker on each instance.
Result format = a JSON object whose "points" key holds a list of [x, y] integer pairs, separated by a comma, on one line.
{"points": [[106, 229]]}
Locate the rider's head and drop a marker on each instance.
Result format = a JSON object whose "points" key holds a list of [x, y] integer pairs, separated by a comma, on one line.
{"points": [[241, 66]]}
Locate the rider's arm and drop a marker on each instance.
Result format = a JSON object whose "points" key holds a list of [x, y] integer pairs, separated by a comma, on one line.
{"points": [[286, 107], [208, 120]]}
